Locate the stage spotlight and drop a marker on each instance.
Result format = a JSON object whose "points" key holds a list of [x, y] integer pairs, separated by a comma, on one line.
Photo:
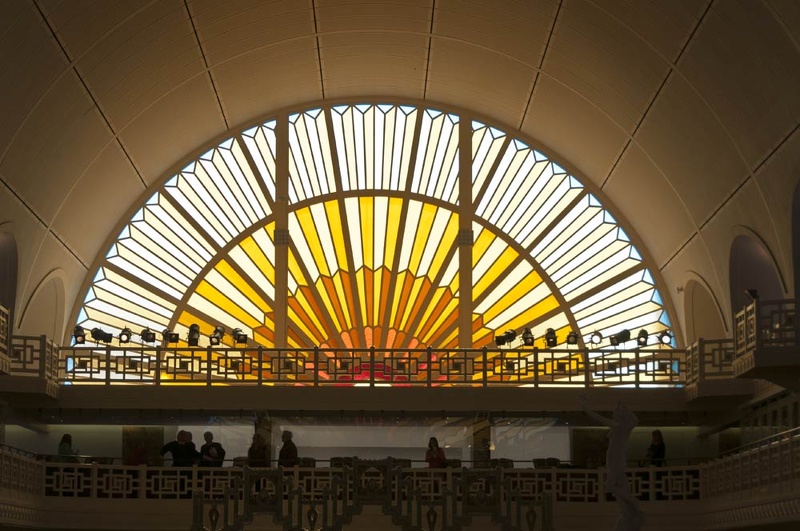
{"points": [[527, 337], [148, 336], [572, 338], [500, 340], [239, 337], [216, 336], [641, 339], [596, 338], [125, 335], [79, 335], [620, 337], [168, 336], [510, 336], [665, 338], [194, 335], [100, 335], [550, 338]]}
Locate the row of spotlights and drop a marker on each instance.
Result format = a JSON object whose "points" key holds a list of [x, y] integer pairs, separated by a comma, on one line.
{"points": [[167, 336], [551, 340]]}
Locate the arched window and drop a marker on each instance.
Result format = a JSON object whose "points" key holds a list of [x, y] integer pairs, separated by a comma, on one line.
{"points": [[374, 225]]}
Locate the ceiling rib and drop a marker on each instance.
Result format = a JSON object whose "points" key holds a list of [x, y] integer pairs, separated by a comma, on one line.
{"points": [[541, 63], [430, 45], [319, 51], [205, 63]]}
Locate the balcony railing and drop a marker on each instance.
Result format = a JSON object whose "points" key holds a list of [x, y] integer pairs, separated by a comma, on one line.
{"points": [[5, 334], [709, 360], [766, 324], [110, 365], [36, 356]]}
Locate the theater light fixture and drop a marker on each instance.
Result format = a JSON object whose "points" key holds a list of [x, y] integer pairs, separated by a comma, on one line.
{"points": [[572, 338], [168, 336], [665, 338], [641, 339], [550, 338], [239, 337], [510, 336], [125, 335], [527, 337], [148, 336], [500, 340], [79, 335], [620, 337], [596, 338], [216, 336], [99, 334], [194, 335]]}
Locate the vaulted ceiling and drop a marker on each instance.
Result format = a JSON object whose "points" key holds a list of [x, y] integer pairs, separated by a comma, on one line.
{"points": [[683, 114]]}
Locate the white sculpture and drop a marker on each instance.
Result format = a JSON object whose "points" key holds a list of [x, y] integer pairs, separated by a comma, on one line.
{"points": [[622, 423]]}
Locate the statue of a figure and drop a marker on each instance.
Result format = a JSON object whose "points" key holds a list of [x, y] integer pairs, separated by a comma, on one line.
{"points": [[622, 423]]}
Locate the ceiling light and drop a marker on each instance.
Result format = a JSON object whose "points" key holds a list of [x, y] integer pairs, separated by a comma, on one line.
{"points": [[641, 339], [550, 338], [100, 335], [148, 336], [665, 338], [239, 337], [125, 335], [620, 337], [216, 336], [572, 338], [527, 337], [79, 335], [194, 335], [596, 338], [168, 336]]}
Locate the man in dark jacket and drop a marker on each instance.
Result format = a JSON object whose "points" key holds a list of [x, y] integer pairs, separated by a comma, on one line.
{"points": [[287, 457], [211, 453]]}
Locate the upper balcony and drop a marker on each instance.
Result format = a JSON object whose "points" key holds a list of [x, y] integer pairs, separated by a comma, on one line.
{"points": [[766, 343]]}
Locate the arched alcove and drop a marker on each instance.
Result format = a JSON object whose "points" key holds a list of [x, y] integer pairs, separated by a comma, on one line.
{"points": [[44, 311], [752, 267], [702, 313]]}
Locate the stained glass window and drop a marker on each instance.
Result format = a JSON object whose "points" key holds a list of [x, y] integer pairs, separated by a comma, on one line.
{"points": [[379, 208]]}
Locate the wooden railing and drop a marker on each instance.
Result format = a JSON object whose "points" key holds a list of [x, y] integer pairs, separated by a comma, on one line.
{"points": [[36, 356], [709, 360], [109, 365], [5, 335], [768, 324]]}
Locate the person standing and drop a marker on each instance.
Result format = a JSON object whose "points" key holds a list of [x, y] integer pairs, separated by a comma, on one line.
{"points": [[287, 457], [65, 452], [211, 453], [435, 455], [257, 453], [657, 451], [182, 449]]}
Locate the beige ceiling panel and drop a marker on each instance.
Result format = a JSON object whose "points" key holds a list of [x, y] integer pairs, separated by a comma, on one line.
{"points": [[746, 210], [274, 77], [687, 143], [228, 30], [478, 79], [152, 53], [663, 25], [605, 61], [580, 134], [787, 12], [693, 262], [391, 15], [82, 25], [747, 69], [173, 128], [778, 183], [652, 207], [57, 142], [29, 61], [391, 64], [51, 288], [96, 203], [517, 29]]}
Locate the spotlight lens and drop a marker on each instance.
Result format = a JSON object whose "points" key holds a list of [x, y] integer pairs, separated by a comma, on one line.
{"points": [[665, 338]]}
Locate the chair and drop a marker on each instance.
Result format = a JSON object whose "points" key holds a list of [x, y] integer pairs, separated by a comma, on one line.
{"points": [[540, 462], [553, 462]]}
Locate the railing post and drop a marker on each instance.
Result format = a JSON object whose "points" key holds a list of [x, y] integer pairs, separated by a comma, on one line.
{"points": [[142, 482], [636, 372], [158, 366], [430, 365], [108, 364], [208, 366], [485, 354], [536, 366], [93, 476], [260, 365], [700, 360], [587, 380], [316, 366], [42, 357], [372, 366]]}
